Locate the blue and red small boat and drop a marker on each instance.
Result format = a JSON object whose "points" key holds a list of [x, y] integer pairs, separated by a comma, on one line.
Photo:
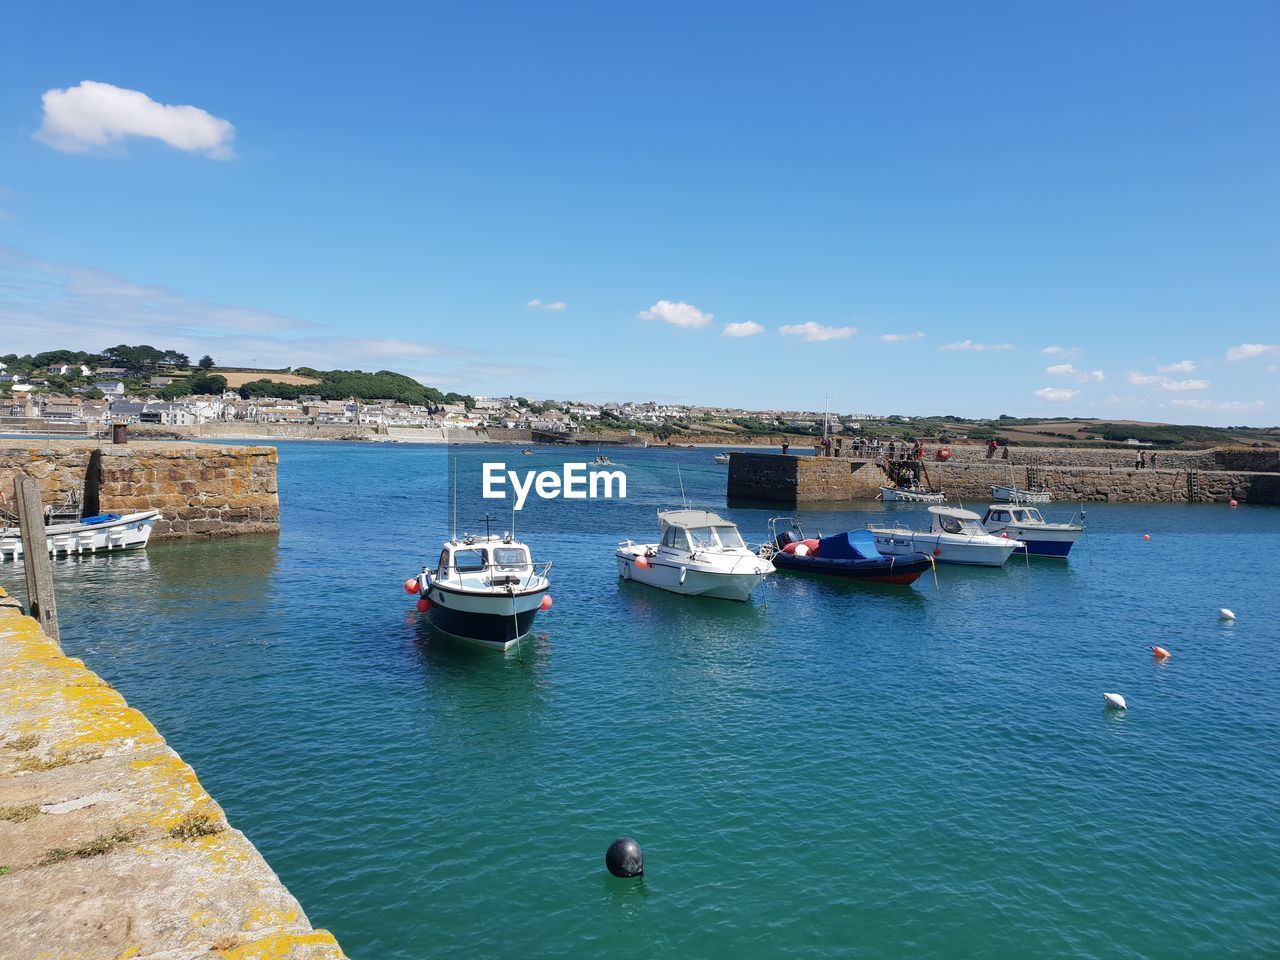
{"points": [[851, 556]]}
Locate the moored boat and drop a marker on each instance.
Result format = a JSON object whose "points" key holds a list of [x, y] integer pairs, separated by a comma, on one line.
{"points": [[484, 589], [1011, 494], [699, 554], [722, 458], [106, 532], [850, 556], [915, 494], [1025, 524], [955, 536]]}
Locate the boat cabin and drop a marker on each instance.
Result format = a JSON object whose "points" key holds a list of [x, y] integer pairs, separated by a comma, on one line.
{"points": [[689, 530], [955, 520], [496, 559], [999, 515]]}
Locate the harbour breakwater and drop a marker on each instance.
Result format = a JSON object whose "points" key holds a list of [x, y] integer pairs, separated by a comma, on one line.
{"points": [[201, 490], [969, 475], [109, 845]]}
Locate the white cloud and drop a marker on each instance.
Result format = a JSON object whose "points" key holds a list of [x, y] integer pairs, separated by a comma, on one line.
{"points": [[1144, 379], [547, 305], [900, 337], [679, 314], [96, 114], [1182, 366], [1067, 370], [1057, 394], [1164, 383], [970, 345], [748, 328], [1180, 385], [1061, 351], [814, 332], [1195, 403], [1247, 351]]}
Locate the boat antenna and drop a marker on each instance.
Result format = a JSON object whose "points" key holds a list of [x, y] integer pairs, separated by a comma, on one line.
{"points": [[680, 477], [487, 532], [455, 497], [826, 404]]}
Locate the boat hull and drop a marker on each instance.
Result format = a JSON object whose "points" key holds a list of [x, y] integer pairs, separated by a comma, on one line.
{"points": [[496, 620], [944, 548], [131, 531], [894, 495], [688, 580], [1014, 495], [1044, 543], [890, 570]]}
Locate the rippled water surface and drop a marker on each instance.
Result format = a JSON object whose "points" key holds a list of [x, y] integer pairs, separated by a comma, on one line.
{"points": [[831, 769]]}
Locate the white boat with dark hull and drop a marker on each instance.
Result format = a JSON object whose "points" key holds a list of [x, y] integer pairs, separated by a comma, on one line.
{"points": [[699, 554], [484, 589], [956, 536], [104, 533], [910, 495], [1025, 523], [1011, 494]]}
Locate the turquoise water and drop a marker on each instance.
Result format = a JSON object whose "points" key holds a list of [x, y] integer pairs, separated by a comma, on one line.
{"points": [[832, 769]]}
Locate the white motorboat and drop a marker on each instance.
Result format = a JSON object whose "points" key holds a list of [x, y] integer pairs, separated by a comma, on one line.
{"points": [[722, 458], [105, 533], [1025, 523], [484, 589], [910, 495], [956, 536], [1011, 494], [699, 554]]}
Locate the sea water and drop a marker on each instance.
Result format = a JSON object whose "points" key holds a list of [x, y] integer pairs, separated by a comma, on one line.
{"points": [[830, 769]]}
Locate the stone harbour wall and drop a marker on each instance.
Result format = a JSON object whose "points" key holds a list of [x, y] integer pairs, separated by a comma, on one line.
{"points": [[201, 490], [109, 845], [790, 479]]}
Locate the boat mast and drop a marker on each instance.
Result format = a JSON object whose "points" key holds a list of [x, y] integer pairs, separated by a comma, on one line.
{"points": [[826, 404]]}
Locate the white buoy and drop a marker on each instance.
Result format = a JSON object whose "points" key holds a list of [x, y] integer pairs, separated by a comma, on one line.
{"points": [[1225, 614], [1114, 701]]}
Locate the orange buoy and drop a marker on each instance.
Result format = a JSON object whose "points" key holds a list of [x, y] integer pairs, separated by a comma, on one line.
{"points": [[1146, 536], [1233, 504], [1160, 653], [411, 585], [944, 453], [546, 602], [423, 604], [642, 562], [937, 551]]}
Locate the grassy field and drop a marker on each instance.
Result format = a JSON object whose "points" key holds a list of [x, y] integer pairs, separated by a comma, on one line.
{"points": [[238, 378]]}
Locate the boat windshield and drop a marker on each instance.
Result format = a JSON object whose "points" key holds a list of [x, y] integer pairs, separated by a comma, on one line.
{"points": [[729, 536], [956, 525], [468, 561], [510, 558], [702, 538], [1032, 515], [675, 537]]}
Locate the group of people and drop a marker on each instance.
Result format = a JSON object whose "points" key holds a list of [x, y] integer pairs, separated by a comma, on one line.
{"points": [[1140, 460], [894, 450]]}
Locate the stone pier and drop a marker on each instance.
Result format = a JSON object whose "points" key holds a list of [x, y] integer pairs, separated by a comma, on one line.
{"points": [[109, 846], [968, 475], [202, 490]]}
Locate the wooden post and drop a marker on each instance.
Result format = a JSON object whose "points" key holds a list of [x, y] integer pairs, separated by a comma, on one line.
{"points": [[35, 555]]}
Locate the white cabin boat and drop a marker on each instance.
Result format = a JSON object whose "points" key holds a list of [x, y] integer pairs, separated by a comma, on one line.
{"points": [[910, 495], [722, 458], [699, 554], [1024, 523], [105, 533], [1011, 494], [956, 536], [484, 589]]}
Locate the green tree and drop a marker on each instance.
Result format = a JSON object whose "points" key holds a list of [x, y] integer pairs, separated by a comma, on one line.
{"points": [[206, 362]]}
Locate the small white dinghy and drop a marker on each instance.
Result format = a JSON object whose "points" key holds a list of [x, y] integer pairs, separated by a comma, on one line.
{"points": [[700, 554], [910, 495], [1011, 494], [107, 532], [956, 536]]}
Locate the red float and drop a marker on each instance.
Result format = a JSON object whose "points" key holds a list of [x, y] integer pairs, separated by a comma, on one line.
{"points": [[1160, 653], [423, 605], [642, 562], [944, 453], [412, 585], [546, 602]]}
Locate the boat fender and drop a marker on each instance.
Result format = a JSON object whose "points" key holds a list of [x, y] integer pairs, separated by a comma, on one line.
{"points": [[642, 562], [683, 573], [412, 586], [944, 453], [1225, 614], [937, 551], [1160, 653], [545, 604], [423, 604]]}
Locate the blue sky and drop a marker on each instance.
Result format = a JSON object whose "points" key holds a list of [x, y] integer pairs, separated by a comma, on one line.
{"points": [[391, 186]]}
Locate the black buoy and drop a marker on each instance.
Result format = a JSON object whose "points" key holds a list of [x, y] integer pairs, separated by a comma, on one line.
{"points": [[624, 858]]}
